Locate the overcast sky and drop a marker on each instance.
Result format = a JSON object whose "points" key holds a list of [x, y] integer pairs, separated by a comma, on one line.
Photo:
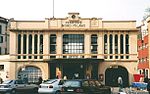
{"points": [[106, 9]]}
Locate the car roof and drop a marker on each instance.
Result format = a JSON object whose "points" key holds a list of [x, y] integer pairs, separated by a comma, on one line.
{"points": [[81, 80]]}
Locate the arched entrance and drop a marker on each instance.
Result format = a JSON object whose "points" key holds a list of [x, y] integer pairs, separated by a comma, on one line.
{"points": [[112, 74], [30, 73]]}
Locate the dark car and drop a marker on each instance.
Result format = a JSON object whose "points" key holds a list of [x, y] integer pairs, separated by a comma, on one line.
{"points": [[87, 86], [16, 86]]}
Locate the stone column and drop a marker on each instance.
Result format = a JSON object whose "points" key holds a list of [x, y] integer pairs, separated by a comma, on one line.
{"points": [[108, 46], [113, 45], [45, 45], [100, 44], [32, 45], [119, 45], [38, 45], [13, 46], [21, 45], [87, 45], [27, 46], [124, 45], [59, 44]]}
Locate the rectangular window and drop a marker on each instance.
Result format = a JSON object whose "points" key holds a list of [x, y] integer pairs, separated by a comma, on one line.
{"points": [[1, 67], [94, 44], [52, 44], [0, 50], [24, 45], [73, 44], [41, 46], [1, 39], [105, 44], [35, 45], [0, 29]]}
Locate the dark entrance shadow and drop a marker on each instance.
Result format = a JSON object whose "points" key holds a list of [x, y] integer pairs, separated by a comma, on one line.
{"points": [[112, 74]]}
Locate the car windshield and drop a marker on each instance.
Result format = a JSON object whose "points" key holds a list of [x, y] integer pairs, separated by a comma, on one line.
{"points": [[7, 81], [50, 81], [72, 84]]}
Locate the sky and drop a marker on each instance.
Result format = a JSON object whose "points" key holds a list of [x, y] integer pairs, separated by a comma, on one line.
{"points": [[105, 9]]}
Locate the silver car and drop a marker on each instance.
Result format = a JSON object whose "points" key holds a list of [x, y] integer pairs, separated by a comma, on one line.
{"points": [[16, 86], [51, 86]]}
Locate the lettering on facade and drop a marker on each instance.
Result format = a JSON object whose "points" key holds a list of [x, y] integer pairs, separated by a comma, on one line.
{"points": [[73, 24]]}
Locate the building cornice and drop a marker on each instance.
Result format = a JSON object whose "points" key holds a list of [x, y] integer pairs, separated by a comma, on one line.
{"points": [[78, 29]]}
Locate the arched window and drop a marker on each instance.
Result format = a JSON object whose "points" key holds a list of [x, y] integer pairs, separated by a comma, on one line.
{"points": [[116, 46], [105, 44], [127, 45], [41, 45], [32, 74], [24, 45], [35, 45], [121, 46], [19, 45], [30, 45], [110, 44]]}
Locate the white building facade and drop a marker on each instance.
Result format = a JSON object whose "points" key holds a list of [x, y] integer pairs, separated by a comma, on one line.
{"points": [[91, 47]]}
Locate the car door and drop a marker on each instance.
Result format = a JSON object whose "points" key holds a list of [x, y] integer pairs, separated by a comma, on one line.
{"points": [[20, 86], [86, 88], [31, 87], [93, 88]]}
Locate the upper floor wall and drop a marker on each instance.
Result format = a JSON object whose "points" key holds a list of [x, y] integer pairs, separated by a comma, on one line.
{"points": [[73, 21]]}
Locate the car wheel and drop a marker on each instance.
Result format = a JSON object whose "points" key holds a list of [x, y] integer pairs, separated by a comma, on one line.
{"points": [[13, 91], [57, 92]]}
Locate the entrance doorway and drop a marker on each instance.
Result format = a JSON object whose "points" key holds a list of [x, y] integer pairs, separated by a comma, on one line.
{"points": [[70, 67], [70, 70], [112, 74]]}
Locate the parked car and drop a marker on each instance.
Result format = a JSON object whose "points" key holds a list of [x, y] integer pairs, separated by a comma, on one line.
{"points": [[51, 86], [87, 86], [16, 86]]}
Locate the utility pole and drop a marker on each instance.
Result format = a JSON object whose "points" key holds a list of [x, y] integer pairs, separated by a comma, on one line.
{"points": [[53, 8]]}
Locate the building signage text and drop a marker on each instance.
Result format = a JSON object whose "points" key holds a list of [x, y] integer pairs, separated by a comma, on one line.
{"points": [[73, 24]]}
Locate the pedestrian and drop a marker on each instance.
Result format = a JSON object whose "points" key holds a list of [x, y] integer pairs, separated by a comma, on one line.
{"points": [[76, 75], [146, 79], [1, 80], [88, 76], [65, 77], [25, 79], [148, 86], [40, 80], [120, 83]]}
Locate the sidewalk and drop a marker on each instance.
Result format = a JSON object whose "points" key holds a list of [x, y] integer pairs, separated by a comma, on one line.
{"points": [[115, 90]]}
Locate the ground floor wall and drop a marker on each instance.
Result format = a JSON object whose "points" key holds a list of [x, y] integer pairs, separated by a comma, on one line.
{"points": [[13, 69]]}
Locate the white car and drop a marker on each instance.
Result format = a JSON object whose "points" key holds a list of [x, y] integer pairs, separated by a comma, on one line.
{"points": [[17, 86], [51, 86]]}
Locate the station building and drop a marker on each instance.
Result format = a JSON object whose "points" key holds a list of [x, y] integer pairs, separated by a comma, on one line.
{"points": [[61, 47]]}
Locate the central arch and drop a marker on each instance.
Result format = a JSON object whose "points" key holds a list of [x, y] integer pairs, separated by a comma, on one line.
{"points": [[112, 74]]}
